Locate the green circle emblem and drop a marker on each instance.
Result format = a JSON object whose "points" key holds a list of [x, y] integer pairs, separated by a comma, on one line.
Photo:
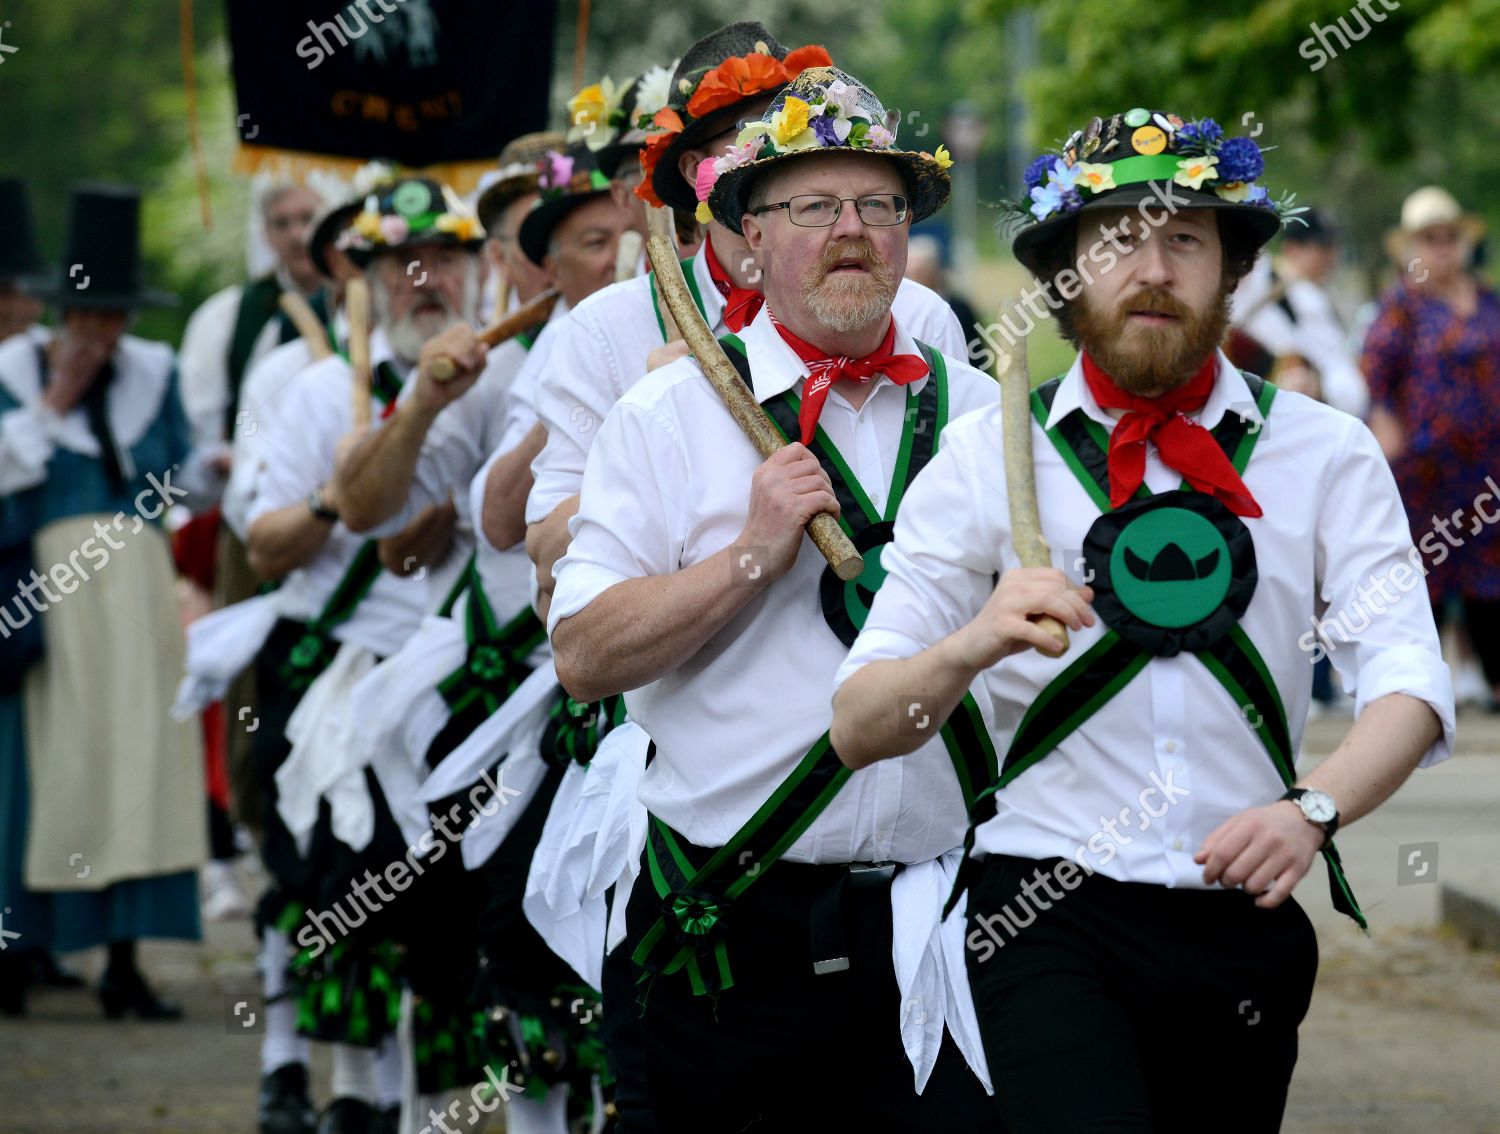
{"points": [[411, 199], [1170, 567]]}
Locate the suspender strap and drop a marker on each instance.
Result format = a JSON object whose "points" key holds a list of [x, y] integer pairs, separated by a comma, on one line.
{"points": [[310, 655], [575, 728], [257, 307], [385, 383], [690, 930], [496, 661], [460, 585], [692, 282]]}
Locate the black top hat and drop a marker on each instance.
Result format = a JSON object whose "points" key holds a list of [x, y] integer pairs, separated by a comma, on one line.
{"points": [[565, 179], [102, 253], [1143, 158], [705, 114], [19, 258]]}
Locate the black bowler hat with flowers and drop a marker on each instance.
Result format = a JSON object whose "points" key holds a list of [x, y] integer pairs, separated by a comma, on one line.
{"points": [[1141, 156], [407, 213], [824, 110], [566, 179]]}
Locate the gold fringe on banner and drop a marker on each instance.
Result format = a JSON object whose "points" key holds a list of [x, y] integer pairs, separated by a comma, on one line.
{"points": [[461, 176]]}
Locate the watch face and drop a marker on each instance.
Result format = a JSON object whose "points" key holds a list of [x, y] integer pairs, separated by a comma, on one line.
{"points": [[1318, 806]]}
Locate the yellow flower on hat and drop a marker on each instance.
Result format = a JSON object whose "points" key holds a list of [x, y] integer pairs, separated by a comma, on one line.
{"points": [[588, 110], [1194, 171], [1095, 176], [703, 214], [790, 121], [942, 157], [1235, 191], [367, 224]]}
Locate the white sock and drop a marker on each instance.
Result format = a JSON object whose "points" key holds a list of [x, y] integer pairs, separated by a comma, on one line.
{"points": [[282, 1044], [388, 1072], [525, 1115], [353, 1072]]}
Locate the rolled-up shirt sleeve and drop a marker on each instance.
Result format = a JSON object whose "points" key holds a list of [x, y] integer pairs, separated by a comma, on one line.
{"points": [[941, 566], [626, 527], [1369, 571]]}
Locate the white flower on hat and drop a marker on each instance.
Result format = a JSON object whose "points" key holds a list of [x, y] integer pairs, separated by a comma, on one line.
{"points": [[655, 90]]}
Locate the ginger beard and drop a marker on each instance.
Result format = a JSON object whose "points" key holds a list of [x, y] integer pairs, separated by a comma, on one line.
{"points": [[1145, 359], [849, 287]]}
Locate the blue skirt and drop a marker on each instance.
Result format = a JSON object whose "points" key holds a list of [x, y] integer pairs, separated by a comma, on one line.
{"points": [[164, 906]]}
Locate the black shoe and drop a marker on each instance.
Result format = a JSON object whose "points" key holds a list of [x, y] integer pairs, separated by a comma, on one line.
{"points": [[45, 971], [348, 1116], [129, 992], [285, 1107]]}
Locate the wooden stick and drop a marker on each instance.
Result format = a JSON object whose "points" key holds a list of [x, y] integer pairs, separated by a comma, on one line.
{"points": [[357, 307], [824, 529], [308, 325], [1020, 472], [661, 224], [539, 310], [627, 255]]}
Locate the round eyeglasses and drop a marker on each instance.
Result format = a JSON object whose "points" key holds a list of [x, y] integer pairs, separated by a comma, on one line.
{"points": [[819, 210]]}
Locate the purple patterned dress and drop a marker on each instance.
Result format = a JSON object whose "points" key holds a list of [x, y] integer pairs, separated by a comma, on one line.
{"points": [[1440, 375]]}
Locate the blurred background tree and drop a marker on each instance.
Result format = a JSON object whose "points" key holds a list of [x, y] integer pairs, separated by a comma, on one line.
{"points": [[95, 91]]}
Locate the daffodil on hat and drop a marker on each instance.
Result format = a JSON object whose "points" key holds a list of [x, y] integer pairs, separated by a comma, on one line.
{"points": [[823, 110], [612, 119], [408, 213], [716, 78], [1144, 156]]}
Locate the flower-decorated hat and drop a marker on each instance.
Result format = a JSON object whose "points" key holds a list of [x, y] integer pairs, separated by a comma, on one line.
{"points": [[343, 200], [516, 175], [566, 178], [1113, 162], [613, 120], [718, 75], [823, 110], [407, 213]]}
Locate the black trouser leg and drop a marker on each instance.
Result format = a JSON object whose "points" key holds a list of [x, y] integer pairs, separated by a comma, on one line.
{"points": [[1483, 621]]}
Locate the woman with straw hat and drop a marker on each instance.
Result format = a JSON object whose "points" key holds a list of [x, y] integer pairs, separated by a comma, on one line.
{"points": [[1432, 357]]}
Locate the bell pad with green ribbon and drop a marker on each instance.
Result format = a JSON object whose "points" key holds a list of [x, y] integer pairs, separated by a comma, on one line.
{"points": [[1170, 572]]}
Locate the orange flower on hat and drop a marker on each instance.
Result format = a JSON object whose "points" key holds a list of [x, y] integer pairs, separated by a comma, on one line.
{"points": [[801, 58], [656, 145], [735, 79]]}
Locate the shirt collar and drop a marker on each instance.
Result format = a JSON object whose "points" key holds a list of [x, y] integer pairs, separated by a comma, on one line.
{"points": [[1230, 394], [775, 367], [713, 302]]}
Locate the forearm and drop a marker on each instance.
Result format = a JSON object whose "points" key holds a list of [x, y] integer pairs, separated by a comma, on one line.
{"points": [[876, 712], [505, 490], [1381, 749], [375, 479], [547, 542], [642, 629], [281, 541]]}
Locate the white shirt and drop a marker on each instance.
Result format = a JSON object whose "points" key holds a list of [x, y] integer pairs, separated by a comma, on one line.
{"points": [[299, 433], [667, 486], [1317, 334], [204, 361], [601, 352], [1333, 520]]}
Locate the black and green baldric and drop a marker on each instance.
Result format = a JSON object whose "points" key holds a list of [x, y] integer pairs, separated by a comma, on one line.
{"points": [[695, 897], [692, 282], [311, 654], [1172, 573], [495, 661]]}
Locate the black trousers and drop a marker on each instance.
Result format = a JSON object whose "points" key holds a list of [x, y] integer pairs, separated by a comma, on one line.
{"points": [[1135, 1009], [783, 1050]]}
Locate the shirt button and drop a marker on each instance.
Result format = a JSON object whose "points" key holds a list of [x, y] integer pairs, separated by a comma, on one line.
{"points": [[1176, 844], [1169, 746]]}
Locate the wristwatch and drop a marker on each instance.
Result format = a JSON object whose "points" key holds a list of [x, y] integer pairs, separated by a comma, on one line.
{"points": [[1318, 809], [319, 509]]}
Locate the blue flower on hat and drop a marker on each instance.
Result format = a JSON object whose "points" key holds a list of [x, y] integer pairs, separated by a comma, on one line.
{"points": [[1200, 137], [1063, 175], [1036, 172], [1240, 160], [1047, 199]]}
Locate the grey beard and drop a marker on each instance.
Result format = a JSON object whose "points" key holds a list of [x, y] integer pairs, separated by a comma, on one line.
{"points": [[847, 309]]}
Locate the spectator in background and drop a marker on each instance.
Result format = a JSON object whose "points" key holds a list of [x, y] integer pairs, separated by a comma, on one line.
{"points": [[19, 261], [1285, 305], [924, 265], [1432, 357], [93, 451]]}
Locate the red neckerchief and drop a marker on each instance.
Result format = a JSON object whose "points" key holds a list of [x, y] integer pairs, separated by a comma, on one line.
{"points": [[741, 304], [825, 371], [1184, 445]]}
